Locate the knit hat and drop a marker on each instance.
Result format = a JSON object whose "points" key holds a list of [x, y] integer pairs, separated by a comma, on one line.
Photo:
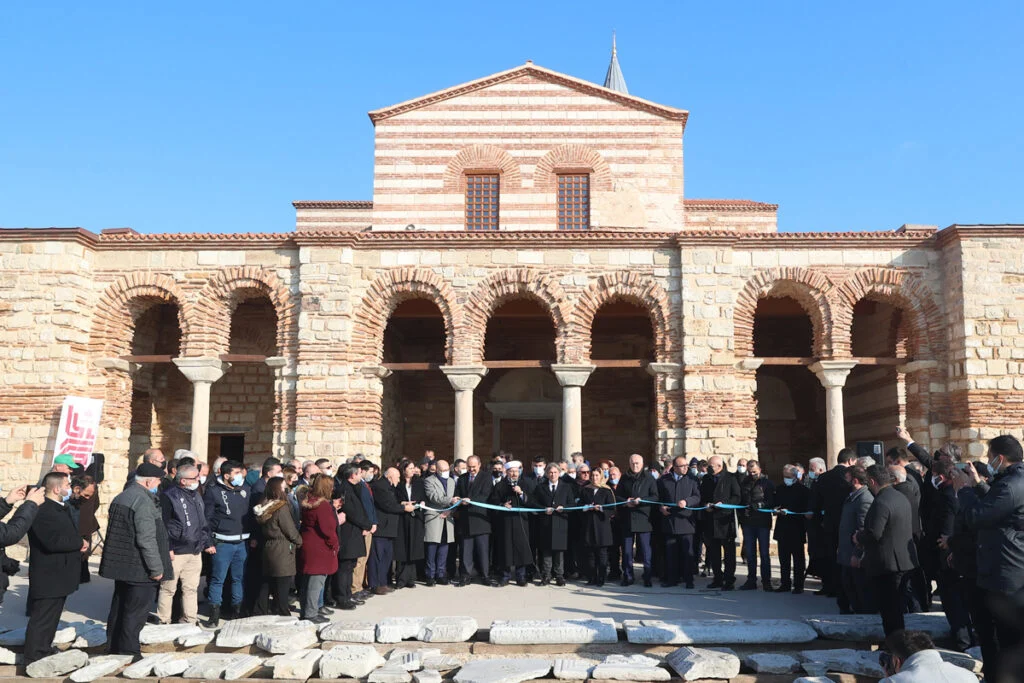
{"points": [[148, 469]]}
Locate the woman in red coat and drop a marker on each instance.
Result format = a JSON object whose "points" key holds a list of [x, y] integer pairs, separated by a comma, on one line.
{"points": [[319, 552]]}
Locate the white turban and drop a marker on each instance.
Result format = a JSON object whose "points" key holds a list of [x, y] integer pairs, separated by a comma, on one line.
{"points": [[514, 463]]}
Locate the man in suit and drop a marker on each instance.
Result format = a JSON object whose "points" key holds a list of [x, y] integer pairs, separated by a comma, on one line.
{"points": [[720, 487], [790, 530], [552, 537], [389, 512], [351, 535], [888, 542], [514, 527], [54, 565], [678, 491], [827, 499], [634, 521], [439, 530], [855, 594], [473, 524]]}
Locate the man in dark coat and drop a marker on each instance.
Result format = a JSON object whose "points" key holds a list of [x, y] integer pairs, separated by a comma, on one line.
{"points": [[757, 492], [473, 524], [54, 565], [352, 545], [939, 526], [827, 499], [136, 556], [14, 530], [855, 594], [888, 541], [634, 519], [226, 504], [790, 530], [913, 590], [719, 486], [389, 512], [678, 491], [514, 527], [552, 536]]}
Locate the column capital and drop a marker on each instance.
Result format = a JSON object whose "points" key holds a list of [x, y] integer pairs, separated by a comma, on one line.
{"points": [[464, 377], [207, 370], [749, 364], [832, 373], [572, 375], [378, 371], [917, 366], [664, 368], [117, 364]]}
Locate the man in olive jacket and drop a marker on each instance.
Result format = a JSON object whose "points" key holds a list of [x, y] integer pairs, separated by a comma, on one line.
{"points": [[136, 556]]}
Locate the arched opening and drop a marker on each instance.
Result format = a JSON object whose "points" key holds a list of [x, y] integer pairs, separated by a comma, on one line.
{"points": [[525, 421], [242, 402], [417, 405], [790, 399], [618, 402], [874, 400], [161, 396]]}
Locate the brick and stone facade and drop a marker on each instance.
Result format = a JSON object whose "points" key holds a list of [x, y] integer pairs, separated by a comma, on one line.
{"points": [[671, 326]]}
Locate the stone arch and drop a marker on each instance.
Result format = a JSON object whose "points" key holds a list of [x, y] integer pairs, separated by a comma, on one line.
{"points": [[899, 288], [482, 158], [120, 305], [213, 306], [621, 286], [572, 157], [807, 287], [494, 291], [384, 295]]}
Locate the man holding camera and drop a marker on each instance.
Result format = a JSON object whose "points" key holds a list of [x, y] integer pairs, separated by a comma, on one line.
{"points": [[11, 532]]}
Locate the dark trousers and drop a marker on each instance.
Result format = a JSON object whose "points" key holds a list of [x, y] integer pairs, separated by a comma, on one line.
{"points": [[792, 554], [276, 587], [342, 586], [643, 540], [597, 561], [476, 556], [954, 591], [716, 548], [552, 564], [757, 538], [855, 591], [43, 617], [437, 560], [382, 552], [405, 573], [890, 601], [680, 564], [129, 608], [1000, 629]]}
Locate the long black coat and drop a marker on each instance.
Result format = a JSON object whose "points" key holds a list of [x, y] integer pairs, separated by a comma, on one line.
{"points": [[552, 530], [411, 527], [912, 491], [472, 520], [11, 533], [670, 492], [720, 524], [513, 527], [351, 545], [827, 500], [998, 520], [940, 522], [389, 510], [791, 529], [888, 535], [597, 525], [635, 520], [55, 563]]}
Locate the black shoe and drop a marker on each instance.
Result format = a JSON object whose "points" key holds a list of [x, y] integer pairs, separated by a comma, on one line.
{"points": [[357, 602], [318, 619], [767, 587], [784, 589], [798, 591], [667, 584], [430, 583], [728, 586], [494, 583], [502, 583], [545, 582], [443, 581], [559, 581], [325, 611], [648, 583], [348, 605], [717, 583], [689, 585], [410, 584], [591, 582], [363, 595], [521, 582], [626, 581], [749, 586], [214, 620]]}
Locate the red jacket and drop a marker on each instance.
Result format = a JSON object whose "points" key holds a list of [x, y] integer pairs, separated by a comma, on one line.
{"points": [[319, 552]]}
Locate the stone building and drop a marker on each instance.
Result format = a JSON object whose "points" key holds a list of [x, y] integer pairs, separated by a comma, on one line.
{"points": [[528, 276]]}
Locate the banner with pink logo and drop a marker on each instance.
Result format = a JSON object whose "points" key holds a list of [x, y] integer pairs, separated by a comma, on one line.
{"points": [[79, 425]]}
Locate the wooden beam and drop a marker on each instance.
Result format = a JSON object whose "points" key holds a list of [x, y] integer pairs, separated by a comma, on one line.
{"points": [[411, 366], [620, 363], [242, 358], [147, 359], [779, 360], [514, 364]]}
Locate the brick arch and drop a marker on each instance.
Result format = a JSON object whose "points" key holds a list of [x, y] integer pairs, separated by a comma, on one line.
{"points": [[382, 298], [621, 286], [121, 304], [807, 287], [494, 291], [572, 157], [900, 289], [485, 158], [212, 308]]}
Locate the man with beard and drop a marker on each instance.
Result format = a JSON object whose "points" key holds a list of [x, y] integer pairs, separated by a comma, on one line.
{"points": [[514, 527]]}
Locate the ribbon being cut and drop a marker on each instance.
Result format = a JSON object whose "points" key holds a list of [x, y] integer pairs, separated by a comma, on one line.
{"points": [[502, 508]]}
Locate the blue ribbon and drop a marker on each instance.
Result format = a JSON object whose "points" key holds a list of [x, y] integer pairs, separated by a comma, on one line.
{"points": [[502, 508]]}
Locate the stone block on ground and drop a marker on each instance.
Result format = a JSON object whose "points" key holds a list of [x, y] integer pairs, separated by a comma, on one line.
{"points": [[196, 640], [104, 665], [503, 670], [283, 639], [868, 627], [166, 633], [90, 635], [962, 660], [447, 630], [242, 632], [57, 665], [228, 666], [693, 663], [7, 656], [349, 632], [556, 631], [427, 676], [630, 668], [65, 634], [411, 659], [443, 662], [173, 666], [144, 667], [844, 661], [297, 665], [573, 669], [389, 673], [772, 663], [349, 661], [717, 631], [397, 629]]}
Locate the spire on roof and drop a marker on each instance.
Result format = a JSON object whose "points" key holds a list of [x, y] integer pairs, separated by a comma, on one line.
{"points": [[614, 79]]}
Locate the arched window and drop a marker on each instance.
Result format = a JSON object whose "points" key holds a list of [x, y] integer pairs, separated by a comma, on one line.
{"points": [[482, 195]]}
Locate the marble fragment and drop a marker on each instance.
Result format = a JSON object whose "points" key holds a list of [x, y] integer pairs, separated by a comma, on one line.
{"points": [[217, 665], [166, 633], [90, 635], [962, 660], [443, 662], [144, 667], [283, 639], [389, 674], [242, 632], [503, 670], [57, 665], [349, 632], [772, 663], [104, 665], [175, 666], [845, 661], [427, 676], [204, 638], [447, 630], [349, 661], [868, 627], [397, 629], [814, 679], [553, 631], [717, 631], [296, 665], [573, 669], [411, 659], [693, 663], [630, 668], [7, 656]]}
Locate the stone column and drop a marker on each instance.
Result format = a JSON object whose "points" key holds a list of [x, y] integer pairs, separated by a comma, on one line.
{"points": [[284, 391], [202, 372], [572, 378], [464, 379], [832, 374]]}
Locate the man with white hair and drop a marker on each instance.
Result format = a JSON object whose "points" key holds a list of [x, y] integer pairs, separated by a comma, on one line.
{"points": [[514, 527], [188, 533], [719, 487], [865, 461]]}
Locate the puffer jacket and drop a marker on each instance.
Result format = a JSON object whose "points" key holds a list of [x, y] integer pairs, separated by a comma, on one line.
{"points": [[135, 548], [10, 533], [998, 520], [756, 492]]}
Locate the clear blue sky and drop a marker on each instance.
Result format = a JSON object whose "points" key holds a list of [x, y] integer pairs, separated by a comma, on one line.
{"points": [[214, 116]]}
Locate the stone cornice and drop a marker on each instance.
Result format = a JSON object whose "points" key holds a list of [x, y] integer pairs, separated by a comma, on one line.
{"points": [[738, 205], [958, 232], [342, 204]]}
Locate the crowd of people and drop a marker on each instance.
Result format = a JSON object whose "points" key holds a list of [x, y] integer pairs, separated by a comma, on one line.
{"points": [[883, 537]]}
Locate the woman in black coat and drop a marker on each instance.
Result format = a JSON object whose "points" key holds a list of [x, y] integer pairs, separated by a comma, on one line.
{"points": [[597, 527], [409, 547]]}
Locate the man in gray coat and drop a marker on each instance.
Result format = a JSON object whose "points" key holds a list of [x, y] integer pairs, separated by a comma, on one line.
{"points": [[853, 580], [440, 528]]}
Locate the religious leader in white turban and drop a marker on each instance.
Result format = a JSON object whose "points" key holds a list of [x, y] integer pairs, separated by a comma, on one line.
{"points": [[513, 528]]}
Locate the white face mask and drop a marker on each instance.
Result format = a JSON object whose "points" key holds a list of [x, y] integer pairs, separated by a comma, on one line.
{"points": [[443, 475], [193, 486], [572, 475], [539, 471], [742, 469], [202, 479], [936, 482]]}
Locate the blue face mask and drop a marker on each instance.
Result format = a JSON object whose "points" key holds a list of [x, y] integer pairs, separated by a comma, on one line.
{"points": [[154, 489], [237, 480], [65, 496], [812, 475], [613, 482], [788, 481]]}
